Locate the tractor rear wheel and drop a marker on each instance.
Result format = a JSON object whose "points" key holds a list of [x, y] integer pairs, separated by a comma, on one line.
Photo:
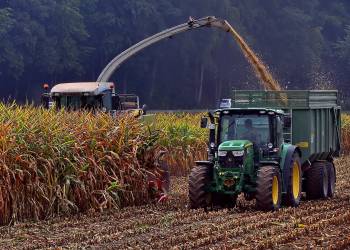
{"points": [[269, 189], [294, 187], [331, 179], [199, 179], [317, 181]]}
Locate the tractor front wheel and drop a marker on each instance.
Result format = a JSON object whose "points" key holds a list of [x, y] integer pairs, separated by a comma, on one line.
{"points": [[199, 180], [269, 188]]}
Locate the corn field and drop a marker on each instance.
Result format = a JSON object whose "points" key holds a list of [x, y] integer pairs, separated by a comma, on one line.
{"points": [[182, 138], [59, 163]]}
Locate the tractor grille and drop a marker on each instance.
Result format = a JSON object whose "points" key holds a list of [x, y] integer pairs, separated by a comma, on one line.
{"points": [[230, 161]]}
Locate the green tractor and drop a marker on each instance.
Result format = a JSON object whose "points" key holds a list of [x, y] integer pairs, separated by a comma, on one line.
{"points": [[270, 146]]}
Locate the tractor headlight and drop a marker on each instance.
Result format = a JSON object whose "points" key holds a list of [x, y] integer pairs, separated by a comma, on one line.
{"points": [[222, 153], [238, 153]]}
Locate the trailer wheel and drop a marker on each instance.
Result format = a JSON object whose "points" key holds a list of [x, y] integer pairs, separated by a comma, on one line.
{"points": [[269, 188], [199, 180], [331, 179], [294, 188], [317, 181]]}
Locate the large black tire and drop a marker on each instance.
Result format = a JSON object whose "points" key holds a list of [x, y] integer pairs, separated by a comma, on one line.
{"points": [[331, 179], [269, 188], [317, 181], [199, 179], [294, 188]]}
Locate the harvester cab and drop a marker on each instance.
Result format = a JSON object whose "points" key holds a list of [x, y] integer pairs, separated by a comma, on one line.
{"points": [[93, 96], [269, 150]]}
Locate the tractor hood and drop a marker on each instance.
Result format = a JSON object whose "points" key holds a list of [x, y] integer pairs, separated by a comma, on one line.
{"points": [[234, 145], [89, 88]]}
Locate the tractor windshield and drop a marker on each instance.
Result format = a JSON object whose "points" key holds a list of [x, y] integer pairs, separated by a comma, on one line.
{"points": [[255, 128], [77, 102]]}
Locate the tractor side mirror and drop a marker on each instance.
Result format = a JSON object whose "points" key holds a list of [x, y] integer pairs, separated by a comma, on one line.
{"points": [[115, 102], [204, 122], [287, 121]]}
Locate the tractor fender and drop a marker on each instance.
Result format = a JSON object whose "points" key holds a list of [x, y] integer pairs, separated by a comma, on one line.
{"points": [[286, 158], [204, 163]]}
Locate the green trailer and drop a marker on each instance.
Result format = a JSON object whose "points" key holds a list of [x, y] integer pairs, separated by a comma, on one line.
{"points": [[271, 146], [315, 118]]}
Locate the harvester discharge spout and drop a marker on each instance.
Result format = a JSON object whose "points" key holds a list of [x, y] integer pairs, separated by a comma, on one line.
{"points": [[192, 24]]}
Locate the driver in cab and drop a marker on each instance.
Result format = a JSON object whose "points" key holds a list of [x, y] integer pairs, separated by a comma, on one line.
{"points": [[251, 133]]}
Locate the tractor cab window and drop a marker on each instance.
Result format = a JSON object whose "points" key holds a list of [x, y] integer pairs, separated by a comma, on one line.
{"points": [[77, 102], [255, 128]]}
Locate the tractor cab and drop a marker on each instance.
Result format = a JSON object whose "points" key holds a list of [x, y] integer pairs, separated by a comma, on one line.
{"points": [[235, 130], [260, 129], [93, 96]]}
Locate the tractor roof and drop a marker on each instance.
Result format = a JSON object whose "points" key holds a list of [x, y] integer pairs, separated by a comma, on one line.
{"points": [[90, 88]]}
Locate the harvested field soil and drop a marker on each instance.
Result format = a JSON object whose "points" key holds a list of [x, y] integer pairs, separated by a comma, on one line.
{"points": [[314, 224]]}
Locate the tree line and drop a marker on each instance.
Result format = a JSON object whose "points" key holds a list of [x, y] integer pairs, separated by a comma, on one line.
{"points": [[305, 43]]}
